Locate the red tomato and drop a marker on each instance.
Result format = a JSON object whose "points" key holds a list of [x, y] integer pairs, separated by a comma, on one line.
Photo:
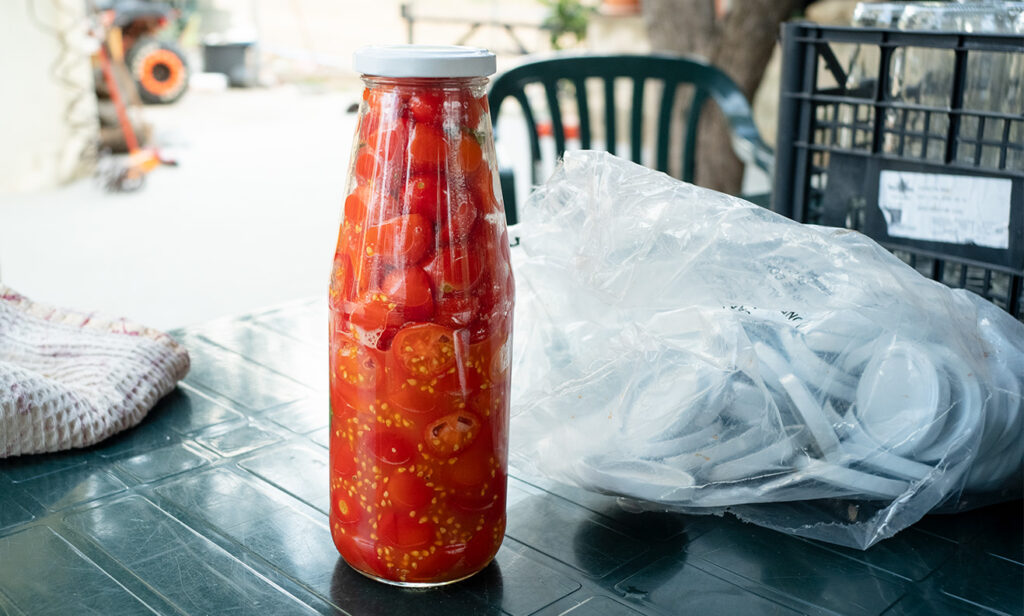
{"points": [[472, 468], [369, 123], [410, 288], [389, 142], [366, 164], [454, 269], [419, 395], [401, 531], [471, 501], [355, 365], [367, 272], [360, 552], [455, 310], [481, 188], [470, 153], [355, 206], [423, 195], [407, 491], [457, 220], [452, 433], [425, 107], [426, 147], [442, 562], [390, 447], [473, 110], [375, 312], [343, 462], [403, 239], [341, 292], [381, 160], [424, 350], [487, 325]]}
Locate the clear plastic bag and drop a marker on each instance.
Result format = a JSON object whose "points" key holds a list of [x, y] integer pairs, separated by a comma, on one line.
{"points": [[686, 350]]}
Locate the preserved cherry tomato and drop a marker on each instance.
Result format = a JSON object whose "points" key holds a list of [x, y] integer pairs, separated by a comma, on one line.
{"points": [[390, 448], [470, 153], [425, 107], [481, 188], [408, 491], [403, 239], [420, 326], [424, 350], [455, 310], [457, 219], [423, 195], [454, 269], [426, 147]]}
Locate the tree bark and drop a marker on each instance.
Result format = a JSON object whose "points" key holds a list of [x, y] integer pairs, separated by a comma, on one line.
{"points": [[739, 41]]}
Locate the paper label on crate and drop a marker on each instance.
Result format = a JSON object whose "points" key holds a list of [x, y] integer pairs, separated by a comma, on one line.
{"points": [[955, 209]]}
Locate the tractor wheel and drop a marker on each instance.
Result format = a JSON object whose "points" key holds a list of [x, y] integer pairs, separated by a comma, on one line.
{"points": [[159, 70]]}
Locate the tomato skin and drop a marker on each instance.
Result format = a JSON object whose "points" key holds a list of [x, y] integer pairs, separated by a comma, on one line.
{"points": [[473, 111], [455, 310], [423, 195], [375, 312], [470, 153], [426, 106], [402, 239], [454, 269], [390, 447], [403, 531], [411, 289], [457, 220], [419, 395], [427, 147], [408, 491], [355, 206], [481, 189], [343, 463]]}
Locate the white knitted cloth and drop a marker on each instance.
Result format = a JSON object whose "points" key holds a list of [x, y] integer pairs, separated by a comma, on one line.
{"points": [[70, 379]]}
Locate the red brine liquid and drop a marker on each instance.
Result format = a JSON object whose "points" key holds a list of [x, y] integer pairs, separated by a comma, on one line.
{"points": [[421, 298]]}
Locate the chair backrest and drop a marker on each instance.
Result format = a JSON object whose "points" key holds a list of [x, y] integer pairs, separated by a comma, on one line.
{"points": [[672, 71]]}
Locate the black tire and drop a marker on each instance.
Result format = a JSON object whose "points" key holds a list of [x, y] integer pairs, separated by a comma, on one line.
{"points": [[159, 70]]}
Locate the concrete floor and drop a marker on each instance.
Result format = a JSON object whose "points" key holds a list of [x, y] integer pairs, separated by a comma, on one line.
{"points": [[248, 219]]}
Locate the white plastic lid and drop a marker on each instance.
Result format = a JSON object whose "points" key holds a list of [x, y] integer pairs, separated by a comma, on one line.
{"points": [[424, 61]]}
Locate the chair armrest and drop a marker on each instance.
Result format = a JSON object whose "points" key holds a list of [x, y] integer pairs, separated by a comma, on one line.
{"points": [[753, 151]]}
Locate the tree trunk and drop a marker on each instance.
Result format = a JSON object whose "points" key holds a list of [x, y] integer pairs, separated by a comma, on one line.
{"points": [[739, 41]]}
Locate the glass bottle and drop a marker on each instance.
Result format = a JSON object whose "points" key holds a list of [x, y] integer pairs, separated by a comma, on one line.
{"points": [[421, 297]]}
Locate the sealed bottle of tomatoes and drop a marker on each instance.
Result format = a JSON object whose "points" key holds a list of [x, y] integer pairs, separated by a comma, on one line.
{"points": [[421, 297]]}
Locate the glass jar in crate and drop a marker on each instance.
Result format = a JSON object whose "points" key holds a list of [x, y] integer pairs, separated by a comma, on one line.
{"points": [[421, 297]]}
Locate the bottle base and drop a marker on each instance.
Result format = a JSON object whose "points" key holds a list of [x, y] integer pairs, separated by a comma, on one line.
{"points": [[416, 585]]}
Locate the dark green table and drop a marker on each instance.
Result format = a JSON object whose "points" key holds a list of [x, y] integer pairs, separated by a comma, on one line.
{"points": [[217, 503]]}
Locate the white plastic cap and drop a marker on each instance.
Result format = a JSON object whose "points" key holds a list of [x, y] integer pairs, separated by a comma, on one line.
{"points": [[424, 61]]}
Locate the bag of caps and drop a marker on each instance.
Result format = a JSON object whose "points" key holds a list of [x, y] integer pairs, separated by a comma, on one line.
{"points": [[686, 350]]}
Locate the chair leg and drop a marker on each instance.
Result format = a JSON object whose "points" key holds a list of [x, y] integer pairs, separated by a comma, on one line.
{"points": [[508, 192]]}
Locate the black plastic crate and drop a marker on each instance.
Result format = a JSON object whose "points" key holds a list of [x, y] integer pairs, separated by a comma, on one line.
{"points": [[840, 140]]}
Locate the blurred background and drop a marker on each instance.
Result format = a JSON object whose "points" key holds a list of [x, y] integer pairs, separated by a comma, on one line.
{"points": [[173, 162]]}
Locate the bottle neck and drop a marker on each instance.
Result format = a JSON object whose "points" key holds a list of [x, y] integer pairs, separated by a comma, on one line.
{"points": [[440, 83]]}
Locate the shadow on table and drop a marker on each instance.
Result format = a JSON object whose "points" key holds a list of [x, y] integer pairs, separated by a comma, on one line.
{"points": [[358, 594]]}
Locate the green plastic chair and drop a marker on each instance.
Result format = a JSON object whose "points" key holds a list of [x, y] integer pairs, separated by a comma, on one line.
{"points": [[708, 81]]}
